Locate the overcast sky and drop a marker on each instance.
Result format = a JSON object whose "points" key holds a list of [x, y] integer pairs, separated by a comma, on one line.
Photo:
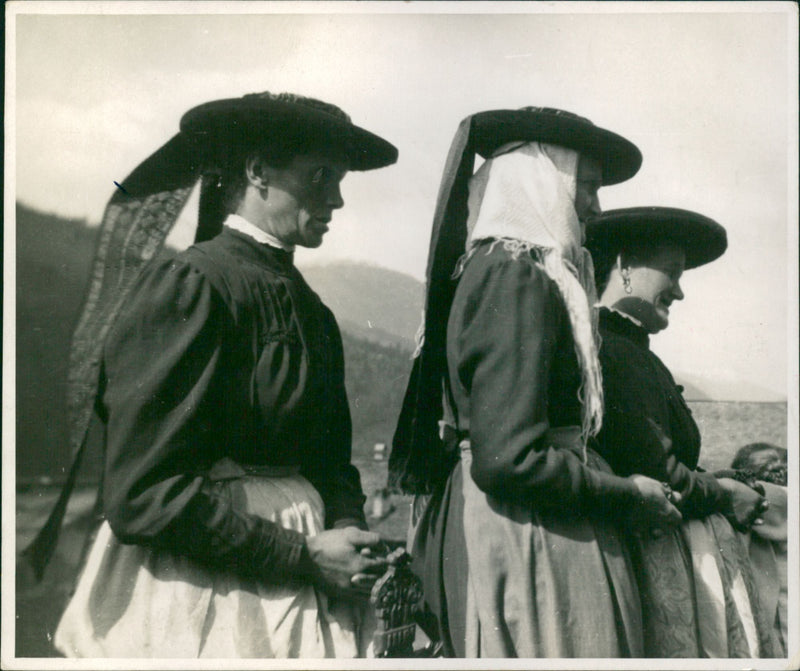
{"points": [[707, 91]]}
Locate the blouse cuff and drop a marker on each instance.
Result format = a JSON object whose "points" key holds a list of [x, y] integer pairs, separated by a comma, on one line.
{"points": [[279, 552], [351, 522], [611, 495]]}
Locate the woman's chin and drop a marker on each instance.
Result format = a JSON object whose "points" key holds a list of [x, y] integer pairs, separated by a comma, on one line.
{"points": [[660, 319], [652, 318]]}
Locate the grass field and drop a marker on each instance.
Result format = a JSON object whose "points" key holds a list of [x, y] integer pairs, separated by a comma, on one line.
{"points": [[725, 427]]}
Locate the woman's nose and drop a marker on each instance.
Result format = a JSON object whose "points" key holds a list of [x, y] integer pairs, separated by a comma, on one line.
{"points": [[677, 292], [594, 207], [335, 200]]}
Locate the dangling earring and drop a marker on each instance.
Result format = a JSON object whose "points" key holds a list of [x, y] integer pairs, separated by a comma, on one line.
{"points": [[626, 282]]}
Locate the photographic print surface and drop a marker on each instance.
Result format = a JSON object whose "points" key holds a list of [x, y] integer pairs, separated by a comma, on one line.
{"points": [[707, 91]]}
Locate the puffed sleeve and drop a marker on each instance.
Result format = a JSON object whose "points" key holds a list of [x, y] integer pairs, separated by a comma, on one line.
{"points": [[331, 472], [506, 329], [637, 436], [164, 382]]}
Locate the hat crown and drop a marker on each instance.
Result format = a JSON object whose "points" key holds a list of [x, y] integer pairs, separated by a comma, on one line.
{"points": [[297, 99], [552, 111]]}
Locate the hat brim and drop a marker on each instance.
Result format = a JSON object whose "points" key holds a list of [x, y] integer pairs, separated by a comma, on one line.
{"points": [[702, 239], [257, 120], [619, 158]]}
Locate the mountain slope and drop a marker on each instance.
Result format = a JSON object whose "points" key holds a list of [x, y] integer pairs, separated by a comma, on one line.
{"points": [[53, 260], [371, 302]]}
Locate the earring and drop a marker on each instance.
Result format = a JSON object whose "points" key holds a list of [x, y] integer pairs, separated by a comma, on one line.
{"points": [[626, 283]]}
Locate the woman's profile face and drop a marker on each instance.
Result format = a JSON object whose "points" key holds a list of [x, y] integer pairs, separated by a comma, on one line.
{"points": [[588, 180], [302, 198], [654, 284]]}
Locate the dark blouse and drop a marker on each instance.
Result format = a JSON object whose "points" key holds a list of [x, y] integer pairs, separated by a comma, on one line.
{"points": [[514, 375], [647, 427], [223, 352]]}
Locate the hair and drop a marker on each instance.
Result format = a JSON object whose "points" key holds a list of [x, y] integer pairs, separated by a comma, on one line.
{"points": [[229, 172], [605, 259], [743, 454]]}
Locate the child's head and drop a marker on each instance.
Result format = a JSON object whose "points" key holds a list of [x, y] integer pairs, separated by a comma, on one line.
{"points": [[767, 462]]}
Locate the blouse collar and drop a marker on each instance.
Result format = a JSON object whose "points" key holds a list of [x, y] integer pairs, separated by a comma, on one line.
{"points": [[239, 223], [622, 324]]}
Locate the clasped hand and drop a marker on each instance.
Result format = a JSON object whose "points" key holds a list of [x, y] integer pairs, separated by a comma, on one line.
{"points": [[744, 505], [346, 562], [655, 510]]}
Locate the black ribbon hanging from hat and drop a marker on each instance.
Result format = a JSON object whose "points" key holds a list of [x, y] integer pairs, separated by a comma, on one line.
{"points": [[136, 221], [418, 459]]}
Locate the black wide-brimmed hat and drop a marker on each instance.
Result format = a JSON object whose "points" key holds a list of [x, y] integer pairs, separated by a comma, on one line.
{"points": [[703, 239], [258, 118], [620, 159]]}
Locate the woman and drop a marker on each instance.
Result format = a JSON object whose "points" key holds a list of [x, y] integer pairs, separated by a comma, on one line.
{"points": [[695, 582], [235, 523], [517, 547]]}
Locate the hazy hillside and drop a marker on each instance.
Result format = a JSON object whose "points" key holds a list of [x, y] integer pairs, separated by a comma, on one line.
{"points": [[374, 303], [698, 388], [53, 257], [725, 426]]}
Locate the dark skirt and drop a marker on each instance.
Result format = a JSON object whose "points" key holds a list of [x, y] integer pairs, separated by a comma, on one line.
{"points": [[505, 580]]}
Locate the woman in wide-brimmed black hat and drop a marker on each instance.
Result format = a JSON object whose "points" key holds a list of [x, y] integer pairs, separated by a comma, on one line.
{"points": [[517, 545], [695, 581], [234, 518]]}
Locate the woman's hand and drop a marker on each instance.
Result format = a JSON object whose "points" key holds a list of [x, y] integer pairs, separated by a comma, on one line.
{"points": [[743, 505], [655, 508], [346, 561]]}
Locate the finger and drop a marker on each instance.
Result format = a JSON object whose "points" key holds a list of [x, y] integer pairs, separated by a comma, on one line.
{"points": [[758, 521], [676, 497], [373, 567], [673, 515], [362, 580], [360, 537], [381, 549]]}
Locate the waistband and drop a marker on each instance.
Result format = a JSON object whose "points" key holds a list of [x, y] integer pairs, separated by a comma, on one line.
{"points": [[228, 469], [558, 437]]}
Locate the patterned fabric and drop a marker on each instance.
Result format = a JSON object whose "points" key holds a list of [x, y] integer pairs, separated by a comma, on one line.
{"points": [[297, 99], [132, 232], [668, 613], [699, 599]]}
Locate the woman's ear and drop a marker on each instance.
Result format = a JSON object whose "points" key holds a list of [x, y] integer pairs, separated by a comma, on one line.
{"points": [[622, 264], [257, 172], [624, 268]]}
